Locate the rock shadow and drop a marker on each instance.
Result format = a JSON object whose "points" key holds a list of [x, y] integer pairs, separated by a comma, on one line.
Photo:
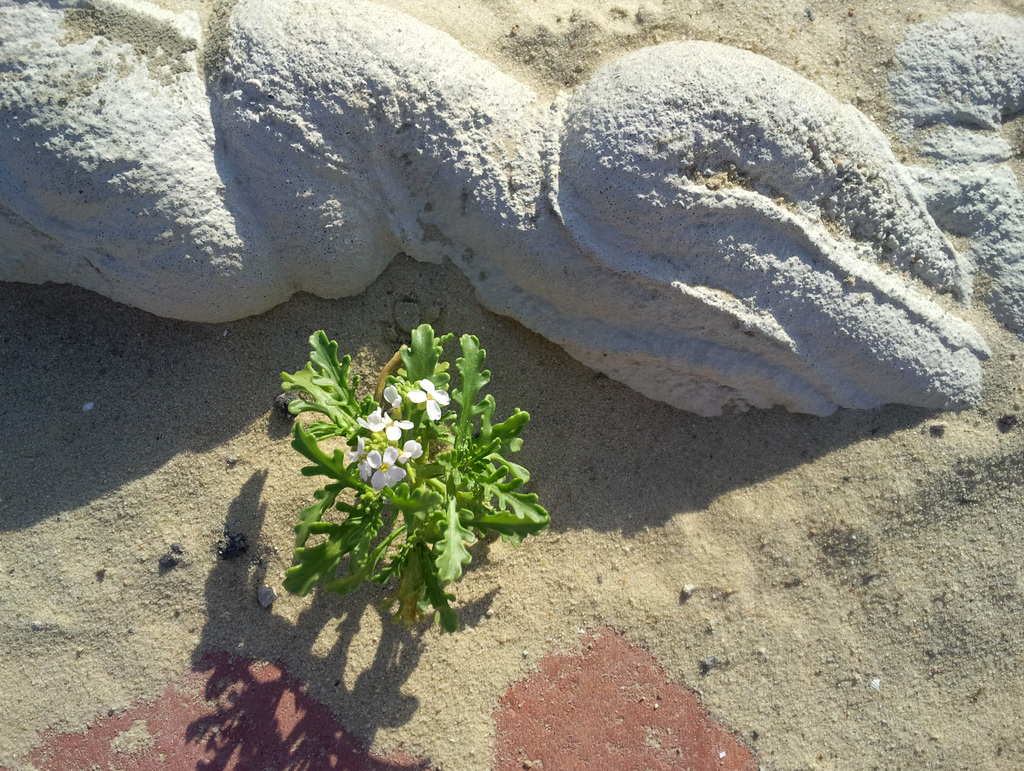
{"points": [[602, 456]]}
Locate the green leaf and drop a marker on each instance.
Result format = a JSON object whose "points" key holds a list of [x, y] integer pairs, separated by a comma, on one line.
{"points": [[451, 549], [509, 428], [523, 505], [416, 504], [438, 597], [362, 560], [421, 358], [314, 564], [329, 383], [311, 515], [519, 474], [510, 526], [354, 537], [473, 380], [321, 429], [332, 466], [515, 516], [504, 434]]}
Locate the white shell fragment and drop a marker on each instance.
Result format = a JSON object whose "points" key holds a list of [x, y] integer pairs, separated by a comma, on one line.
{"points": [[696, 221]]}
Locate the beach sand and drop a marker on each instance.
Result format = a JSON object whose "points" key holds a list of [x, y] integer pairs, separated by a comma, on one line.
{"points": [[858, 578]]}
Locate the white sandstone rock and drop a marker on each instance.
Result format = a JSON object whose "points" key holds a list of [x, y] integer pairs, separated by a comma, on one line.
{"points": [[110, 179], [696, 221], [957, 81]]}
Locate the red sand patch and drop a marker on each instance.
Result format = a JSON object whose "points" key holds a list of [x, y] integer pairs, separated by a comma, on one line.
{"points": [[250, 716], [611, 708]]}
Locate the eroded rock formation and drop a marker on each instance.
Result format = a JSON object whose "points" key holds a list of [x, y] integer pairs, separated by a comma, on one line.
{"points": [[696, 221]]}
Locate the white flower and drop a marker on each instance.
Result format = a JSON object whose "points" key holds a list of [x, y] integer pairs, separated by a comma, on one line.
{"points": [[431, 397], [385, 472], [393, 428], [411, 450], [373, 422], [376, 421], [359, 456], [392, 397]]}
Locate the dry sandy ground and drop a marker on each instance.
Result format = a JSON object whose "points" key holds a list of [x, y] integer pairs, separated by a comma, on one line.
{"points": [[858, 577]]}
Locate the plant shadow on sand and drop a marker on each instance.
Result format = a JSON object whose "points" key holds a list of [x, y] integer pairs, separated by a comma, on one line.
{"points": [[245, 722]]}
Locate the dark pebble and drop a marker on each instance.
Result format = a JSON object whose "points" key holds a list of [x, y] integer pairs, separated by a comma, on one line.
{"points": [[937, 431], [233, 546], [1007, 423], [168, 561], [283, 400]]}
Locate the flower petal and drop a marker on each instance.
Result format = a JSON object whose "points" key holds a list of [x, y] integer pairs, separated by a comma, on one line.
{"points": [[442, 398], [379, 480], [393, 432], [391, 396], [417, 396], [373, 458], [391, 455], [411, 450], [433, 411]]}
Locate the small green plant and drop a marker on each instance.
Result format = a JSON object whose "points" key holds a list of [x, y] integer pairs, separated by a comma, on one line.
{"points": [[427, 471]]}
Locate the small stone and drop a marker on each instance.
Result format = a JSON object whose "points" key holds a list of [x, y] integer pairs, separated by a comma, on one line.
{"points": [[177, 548], [937, 430], [876, 685], [709, 663], [283, 400], [266, 595], [686, 593], [37, 626], [87, 406]]}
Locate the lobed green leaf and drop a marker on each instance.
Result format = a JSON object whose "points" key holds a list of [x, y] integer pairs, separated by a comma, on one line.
{"points": [[329, 383], [309, 516], [420, 360], [451, 549]]}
